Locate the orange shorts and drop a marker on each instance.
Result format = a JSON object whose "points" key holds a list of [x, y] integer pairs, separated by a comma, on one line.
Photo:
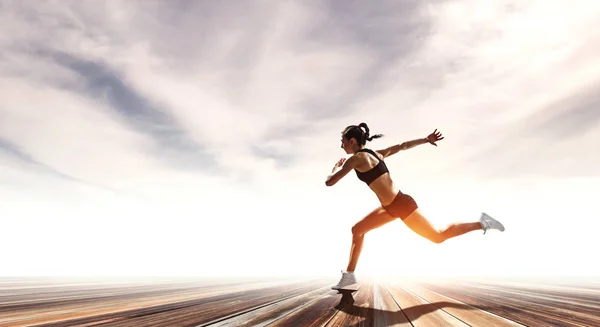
{"points": [[402, 206]]}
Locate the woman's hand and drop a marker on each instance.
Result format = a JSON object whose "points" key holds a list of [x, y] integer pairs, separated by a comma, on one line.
{"points": [[340, 162], [344, 167], [434, 137]]}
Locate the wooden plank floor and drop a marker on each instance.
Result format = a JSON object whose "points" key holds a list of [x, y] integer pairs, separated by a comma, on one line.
{"points": [[294, 302]]}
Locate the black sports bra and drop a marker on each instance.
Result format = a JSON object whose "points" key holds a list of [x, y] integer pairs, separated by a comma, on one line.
{"points": [[373, 173]]}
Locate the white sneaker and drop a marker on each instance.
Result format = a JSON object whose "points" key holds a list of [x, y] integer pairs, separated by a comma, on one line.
{"points": [[488, 222], [348, 278]]}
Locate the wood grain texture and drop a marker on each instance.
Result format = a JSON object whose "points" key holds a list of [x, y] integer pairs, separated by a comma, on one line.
{"points": [[271, 312], [314, 314], [466, 313], [387, 311], [295, 302], [529, 306], [421, 312]]}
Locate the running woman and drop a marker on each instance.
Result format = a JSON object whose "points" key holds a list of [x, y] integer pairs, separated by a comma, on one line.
{"points": [[371, 169]]}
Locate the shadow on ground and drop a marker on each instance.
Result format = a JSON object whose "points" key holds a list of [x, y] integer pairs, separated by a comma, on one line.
{"points": [[346, 305]]}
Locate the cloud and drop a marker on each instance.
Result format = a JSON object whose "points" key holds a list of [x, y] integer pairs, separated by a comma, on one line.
{"points": [[571, 116], [553, 141], [496, 78], [23, 159], [101, 84], [262, 77]]}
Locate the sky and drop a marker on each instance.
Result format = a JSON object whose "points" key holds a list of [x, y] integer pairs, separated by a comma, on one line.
{"points": [[193, 138]]}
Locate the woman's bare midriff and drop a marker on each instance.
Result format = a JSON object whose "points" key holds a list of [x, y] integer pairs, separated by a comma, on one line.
{"points": [[384, 189]]}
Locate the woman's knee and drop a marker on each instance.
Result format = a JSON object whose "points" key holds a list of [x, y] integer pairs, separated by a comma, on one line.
{"points": [[357, 231], [433, 235], [420, 225], [437, 238]]}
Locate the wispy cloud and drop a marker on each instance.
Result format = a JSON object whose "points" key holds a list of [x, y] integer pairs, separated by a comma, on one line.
{"points": [[12, 151], [571, 116], [556, 140], [265, 79], [103, 85]]}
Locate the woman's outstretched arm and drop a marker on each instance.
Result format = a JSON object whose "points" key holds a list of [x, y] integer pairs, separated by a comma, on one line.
{"points": [[431, 138]]}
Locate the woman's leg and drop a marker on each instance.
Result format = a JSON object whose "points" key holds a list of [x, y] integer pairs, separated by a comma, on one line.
{"points": [[375, 219], [423, 227]]}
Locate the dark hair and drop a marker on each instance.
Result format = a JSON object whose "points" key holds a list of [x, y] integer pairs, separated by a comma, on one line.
{"points": [[356, 132]]}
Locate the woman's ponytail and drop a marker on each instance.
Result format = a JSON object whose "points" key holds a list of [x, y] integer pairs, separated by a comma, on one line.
{"points": [[367, 138]]}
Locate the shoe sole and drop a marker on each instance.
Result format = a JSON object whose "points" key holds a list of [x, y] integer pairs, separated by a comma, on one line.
{"points": [[351, 287]]}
